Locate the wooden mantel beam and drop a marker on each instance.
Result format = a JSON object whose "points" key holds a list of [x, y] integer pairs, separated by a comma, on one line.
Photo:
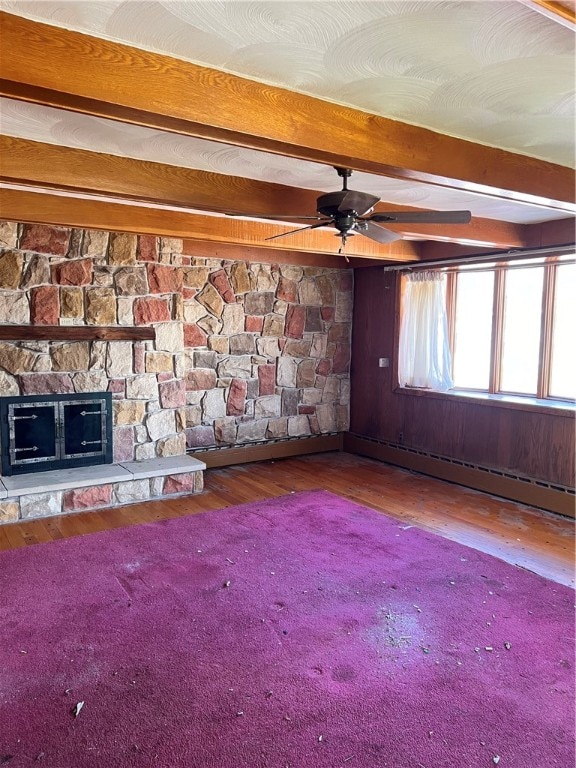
{"points": [[60, 210], [37, 164], [60, 68]]}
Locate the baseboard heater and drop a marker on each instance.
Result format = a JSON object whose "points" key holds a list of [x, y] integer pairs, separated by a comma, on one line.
{"points": [[537, 493], [225, 456]]}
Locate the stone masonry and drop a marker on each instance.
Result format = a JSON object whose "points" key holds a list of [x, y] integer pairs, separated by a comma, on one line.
{"points": [[243, 352]]}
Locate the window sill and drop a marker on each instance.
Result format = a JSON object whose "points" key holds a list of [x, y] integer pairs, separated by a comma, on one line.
{"points": [[533, 404]]}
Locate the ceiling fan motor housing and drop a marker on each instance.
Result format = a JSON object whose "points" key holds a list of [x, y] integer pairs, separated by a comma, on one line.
{"points": [[329, 204]]}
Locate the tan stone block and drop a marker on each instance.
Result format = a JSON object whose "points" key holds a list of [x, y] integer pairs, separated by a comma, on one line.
{"points": [[100, 306], [8, 385], [159, 362], [122, 248], [37, 272], [309, 293], [16, 360], [95, 243], [240, 277], [103, 277], [119, 359], [131, 281], [273, 325], [195, 277], [8, 234], [9, 511], [128, 412], [277, 428], [90, 381], [125, 309], [219, 344], [175, 445], [14, 308], [291, 272], [73, 356], [210, 325], [10, 269], [212, 300], [71, 302], [40, 505], [143, 387], [298, 426], [169, 337], [266, 279]]}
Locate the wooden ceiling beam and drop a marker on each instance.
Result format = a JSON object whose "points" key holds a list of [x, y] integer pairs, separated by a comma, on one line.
{"points": [[36, 164], [561, 13], [60, 68], [61, 210]]}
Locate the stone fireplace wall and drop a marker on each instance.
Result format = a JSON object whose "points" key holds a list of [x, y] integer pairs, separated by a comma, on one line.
{"points": [[244, 352]]}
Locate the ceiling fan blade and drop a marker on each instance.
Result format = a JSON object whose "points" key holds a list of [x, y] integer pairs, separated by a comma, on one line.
{"points": [[381, 235], [301, 229], [285, 217], [423, 217], [359, 202]]}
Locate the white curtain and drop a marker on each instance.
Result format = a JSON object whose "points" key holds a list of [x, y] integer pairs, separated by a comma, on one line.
{"points": [[424, 356]]}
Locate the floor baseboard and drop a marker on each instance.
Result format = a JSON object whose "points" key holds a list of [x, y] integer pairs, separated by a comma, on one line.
{"points": [[281, 449], [525, 491]]}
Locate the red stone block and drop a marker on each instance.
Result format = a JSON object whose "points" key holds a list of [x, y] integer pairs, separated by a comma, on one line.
{"points": [[45, 305], [43, 239], [147, 249], [327, 314], [236, 403], [266, 379], [123, 438], [200, 378], [254, 324], [151, 310], [194, 336], [221, 282], [165, 376], [324, 367], [164, 279], [287, 290], [46, 383], [172, 393], [117, 386], [139, 357], [341, 358], [306, 409], [179, 483], [77, 272], [189, 293], [87, 498], [295, 321]]}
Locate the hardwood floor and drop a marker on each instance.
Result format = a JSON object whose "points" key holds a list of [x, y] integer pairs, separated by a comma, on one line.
{"points": [[527, 537]]}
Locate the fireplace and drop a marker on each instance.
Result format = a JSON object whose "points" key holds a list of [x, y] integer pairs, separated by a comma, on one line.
{"points": [[45, 432]]}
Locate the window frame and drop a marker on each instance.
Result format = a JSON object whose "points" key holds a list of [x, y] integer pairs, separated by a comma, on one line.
{"points": [[494, 395]]}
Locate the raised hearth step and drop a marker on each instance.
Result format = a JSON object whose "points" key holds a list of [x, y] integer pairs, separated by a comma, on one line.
{"points": [[82, 477]]}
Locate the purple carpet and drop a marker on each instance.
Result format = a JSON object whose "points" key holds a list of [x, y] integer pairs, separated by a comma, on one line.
{"points": [[300, 632]]}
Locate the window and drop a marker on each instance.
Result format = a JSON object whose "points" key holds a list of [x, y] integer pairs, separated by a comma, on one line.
{"points": [[511, 327]]}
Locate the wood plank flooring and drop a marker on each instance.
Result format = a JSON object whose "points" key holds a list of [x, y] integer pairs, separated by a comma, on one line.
{"points": [[527, 537]]}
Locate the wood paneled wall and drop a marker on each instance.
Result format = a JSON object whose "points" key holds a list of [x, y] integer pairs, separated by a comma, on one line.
{"points": [[539, 445]]}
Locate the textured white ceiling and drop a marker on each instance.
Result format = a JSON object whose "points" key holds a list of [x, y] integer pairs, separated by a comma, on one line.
{"points": [[497, 73]]}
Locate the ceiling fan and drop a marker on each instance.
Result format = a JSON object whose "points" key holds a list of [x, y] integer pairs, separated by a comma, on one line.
{"points": [[347, 210]]}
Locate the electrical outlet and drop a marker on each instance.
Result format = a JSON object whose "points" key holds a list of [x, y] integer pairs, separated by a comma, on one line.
{"points": [[384, 362]]}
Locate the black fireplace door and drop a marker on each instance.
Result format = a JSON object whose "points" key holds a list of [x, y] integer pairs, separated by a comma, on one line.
{"points": [[41, 432]]}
